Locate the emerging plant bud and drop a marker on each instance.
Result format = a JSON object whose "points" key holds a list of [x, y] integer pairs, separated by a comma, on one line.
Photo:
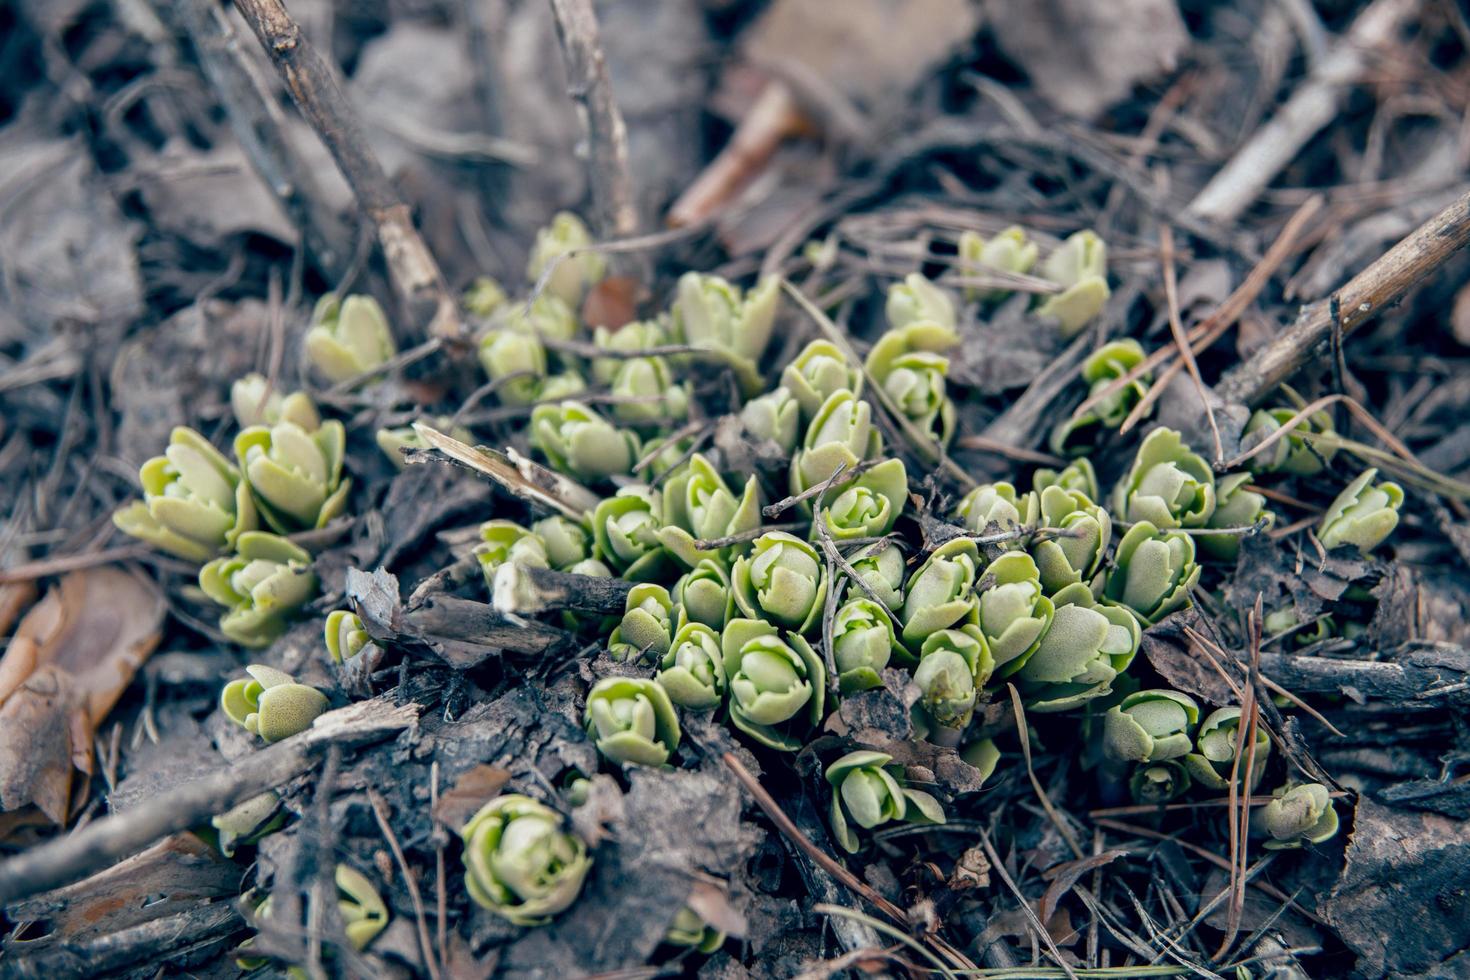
{"points": [[953, 665], [248, 822], [862, 643], [647, 624], [866, 791], [1153, 572], [519, 863], [649, 380], [699, 506], [1169, 486], [996, 508], [1080, 267], [782, 580], [348, 337], [256, 402], [567, 542], [1363, 515], [483, 297], [693, 670], [1106, 365], [869, 506], [942, 592], [1156, 783], [1235, 507], [1009, 251], [632, 721], [516, 362], [358, 903], [704, 595], [578, 441], [626, 528], [1215, 747], [261, 585], [640, 335], [194, 502], [345, 635], [271, 704], [917, 300], [841, 435], [1298, 815], [882, 571], [1014, 614], [1074, 553], [1077, 476], [688, 929], [713, 314], [819, 370], [774, 416], [296, 475], [1079, 657], [777, 683], [565, 241], [908, 363], [1298, 452], [505, 541], [1150, 726]]}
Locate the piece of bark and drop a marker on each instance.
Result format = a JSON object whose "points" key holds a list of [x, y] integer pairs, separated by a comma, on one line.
{"points": [[71, 658]]}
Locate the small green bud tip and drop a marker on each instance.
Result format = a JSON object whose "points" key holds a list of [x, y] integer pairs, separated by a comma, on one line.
{"points": [[271, 704]]}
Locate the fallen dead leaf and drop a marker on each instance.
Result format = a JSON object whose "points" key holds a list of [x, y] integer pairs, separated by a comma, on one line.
{"points": [[470, 792], [71, 658]]}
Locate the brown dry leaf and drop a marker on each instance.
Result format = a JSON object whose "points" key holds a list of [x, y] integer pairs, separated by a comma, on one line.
{"points": [[613, 302], [71, 658], [470, 792]]}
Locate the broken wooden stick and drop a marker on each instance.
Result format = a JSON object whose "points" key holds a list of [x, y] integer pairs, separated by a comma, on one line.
{"points": [[313, 85], [63, 860], [1366, 295]]}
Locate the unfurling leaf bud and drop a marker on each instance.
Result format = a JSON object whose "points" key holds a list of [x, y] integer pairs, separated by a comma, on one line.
{"points": [[1079, 266], [693, 669], [345, 635], [578, 441], [1169, 486], [194, 502], [777, 683], [1235, 507], [942, 592], [271, 704], [1299, 452], [704, 595], [626, 528], [266, 580], [1159, 782], [953, 665], [1153, 572], [647, 625], [1215, 748], [505, 541], [1106, 365], [699, 506], [1299, 815], [565, 241], [1079, 657], [296, 475], [819, 370], [519, 863], [1363, 515], [1009, 251], [841, 435], [868, 506], [632, 721], [996, 508], [256, 402], [881, 567], [1014, 614], [348, 337], [1150, 726], [781, 580], [866, 791], [775, 416], [862, 643]]}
